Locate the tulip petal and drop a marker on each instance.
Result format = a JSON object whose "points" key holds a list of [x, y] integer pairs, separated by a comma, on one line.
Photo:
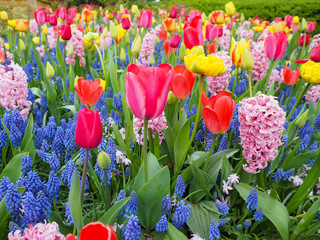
{"points": [[82, 133], [269, 47], [190, 37], [224, 107], [220, 94], [179, 69], [97, 230], [96, 131], [211, 120], [205, 100]]}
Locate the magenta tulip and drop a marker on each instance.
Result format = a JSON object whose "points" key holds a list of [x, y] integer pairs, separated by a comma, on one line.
{"points": [[53, 21], [125, 23], [315, 54], [66, 32], [175, 40], [146, 18], [275, 45], [88, 129], [311, 26], [147, 89], [40, 16], [173, 12], [72, 12], [211, 32], [182, 11], [62, 13]]}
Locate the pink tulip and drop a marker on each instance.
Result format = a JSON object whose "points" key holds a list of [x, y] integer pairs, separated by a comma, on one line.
{"points": [[315, 54], [182, 11], [294, 27], [173, 12], [277, 19], [125, 23], [69, 20], [193, 14], [147, 89], [146, 18], [175, 40], [40, 16], [311, 26], [72, 12], [211, 32], [288, 19], [275, 45], [48, 9], [193, 35], [62, 13]]}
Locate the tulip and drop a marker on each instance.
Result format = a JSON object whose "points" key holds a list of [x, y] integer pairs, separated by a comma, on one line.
{"points": [[236, 51], [247, 60], [136, 46], [70, 50], [182, 11], [170, 24], [12, 23], [113, 30], [36, 40], [295, 20], [171, 98], [40, 16], [122, 55], [182, 82], [311, 26], [167, 49], [53, 20], [304, 39], [90, 40], [163, 35], [21, 45], [86, 15], [211, 47], [230, 9], [182, 52], [4, 15], [175, 40], [301, 121], [62, 13], [125, 23], [193, 35], [290, 77], [315, 54], [294, 27], [275, 45], [66, 32], [22, 25], [72, 12], [173, 12], [218, 17], [48, 10], [304, 25], [288, 19], [95, 230], [310, 72], [89, 92], [211, 32], [146, 18], [2, 57], [49, 70]]}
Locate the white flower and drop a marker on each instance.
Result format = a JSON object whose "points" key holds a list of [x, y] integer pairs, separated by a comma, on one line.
{"points": [[296, 180], [226, 187], [196, 237], [123, 133], [233, 178], [126, 161]]}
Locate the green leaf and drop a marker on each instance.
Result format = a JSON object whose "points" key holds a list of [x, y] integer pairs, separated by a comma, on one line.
{"points": [[174, 233], [113, 73], [75, 202], [109, 217], [28, 133], [150, 196], [299, 159], [13, 168], [275, 211], [63, 228]]}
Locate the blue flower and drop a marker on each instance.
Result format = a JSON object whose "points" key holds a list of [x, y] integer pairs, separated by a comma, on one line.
{"points": [[258, 214], [43, 102], [162, 225], [54, 163], [304, 142], [214, 232], [117, 102], [50, 129], [34, 183], [277, 176], [222, 208], [69, 141], [29, 71], [247, 223], [104, 115], [58, 143], [288, 174], [111, 151], [180, 187], [121, 196], [132, 205], [53, 186], [44, 205], [13, 202], [71, 98], [166, 205], [110, 93], [223, 221], [67, 173], [291, 103], [32, 211], [15, 136], [317, 122], [252, 200], [26, 163], [223, 143], [132, 229], [181, 214], [4, 184], [44, 155], [116, 117], [68, 214]]}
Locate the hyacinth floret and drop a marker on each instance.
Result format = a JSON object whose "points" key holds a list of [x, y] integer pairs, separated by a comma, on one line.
{"points": [[180, 187], [222, 208], [132, 228], [26, 163], [132, 205], [162, 224], [214, 232], [247, 223], [252, 200], [166, 205], [258, 214], [4, 184], [181, 214], [13, 202]]}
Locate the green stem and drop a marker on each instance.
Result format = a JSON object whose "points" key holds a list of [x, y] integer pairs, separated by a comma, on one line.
{"points": [[145, 143], [210, 151], [234, 82], [298, 100], [102, 64], [180, 112], [250, 85], [115, 57], [260, 179], [304, 46], [84, 174], [106, 185]]}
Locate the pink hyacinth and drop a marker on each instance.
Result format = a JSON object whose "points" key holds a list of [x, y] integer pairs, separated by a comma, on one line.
{"points": [[261, 126], [244, 31], [78, 47], [14, 88], [277, 78], [157, 125], [51, 38], [40, 231], [33, 26], [224, 40], [315, 42], [147, 47], [9, 56], [313, 94], [106, 41], [261, 61], [41, 50], [219, 83]]}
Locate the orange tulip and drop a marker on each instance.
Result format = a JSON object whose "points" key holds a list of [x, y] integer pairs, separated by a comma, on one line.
{"points": [[169, 24], [86, 15], [182, 82], [22, 25], [89, 92]]}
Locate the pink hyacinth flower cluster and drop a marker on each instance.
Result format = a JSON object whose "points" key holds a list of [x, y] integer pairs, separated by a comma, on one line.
{"points": [[261, 126], [315, 42], [224, 40], [33, 26], [40, 231], [277, 78], [157, 125], [78, 47], [219, 83], [51, 38], [261, 61], [106, 41], [147, 47], [244, 31], [14, 89], [313, 94], [41, 50]]}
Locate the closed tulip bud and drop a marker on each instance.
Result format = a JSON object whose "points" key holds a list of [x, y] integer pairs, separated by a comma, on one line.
{"points": [[157, 39], [105, 32], [76, 81], [43, 38], [122, 55], [301, 121], [104, 160], [293, 56], [242, 18], [36, 40], [182, 52], [127, 39], [136, 46], [304, 25], [230, 9], [152, 60], [247, 60], [299, 28], [137, 13], [21, 34], [134, 9], [70, 50], [113, 30], [21, 45], [49, 70], [121, 9], [171, 98], [295, 20], [4, 15], [66, 33]]}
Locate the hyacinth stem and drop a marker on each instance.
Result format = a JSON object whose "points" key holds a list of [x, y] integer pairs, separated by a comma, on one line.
{"points": [[107, 189], [235, 80], [260, 179], [84, 174], [102, 64], [306, 88], [210, 151], [268, 77], [250, 85], [180, 111], [145, 143]]}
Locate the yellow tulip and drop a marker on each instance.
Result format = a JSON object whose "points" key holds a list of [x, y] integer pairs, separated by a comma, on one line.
{"points": [[237, 49], [22, 25], [295, 20], [7, 46], [134, 9], [230, 9], [103, 84], [258, 29], [196, 50], [121, 33], [205, 65], [4, 15], [310, 72], [12, 23], [247, 60], [90, 39], [45, 30]]}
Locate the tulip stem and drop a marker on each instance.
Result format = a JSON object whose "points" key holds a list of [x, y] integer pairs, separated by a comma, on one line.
{"points": [[306, 88], [267, 78], [304, 46], [250, 86], [145, 140], [210, 151], [102, 64], [115, 57], [235, 80], [180, 111], [84, 174], [106, 186]]}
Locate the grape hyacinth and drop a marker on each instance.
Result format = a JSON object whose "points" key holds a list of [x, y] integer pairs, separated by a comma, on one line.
{"points": [[132, 228], [214, 232], [162, 224], [181, 214], [180, 187], [252, 200]]}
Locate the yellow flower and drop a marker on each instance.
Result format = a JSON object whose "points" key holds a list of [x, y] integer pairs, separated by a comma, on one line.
{"points": [[4, 15], [12, 23], [22, 25], [121, 33], [196, 50], [247, 60], [310, 72], [237, 49], [134, 9], [45, 30], [230, 9], [205, 65], [295, 20], [258, 29], [278, 27], [103, 84], [90, 39], [7, 46]]}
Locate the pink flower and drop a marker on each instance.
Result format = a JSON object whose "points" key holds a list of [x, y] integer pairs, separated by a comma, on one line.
{"points": [[224, 40], [277, 78], [33, 26], [147, 47], [313, 94], [261, 126], [78, 46], [261, 61], [275, 45], [244, 31]]}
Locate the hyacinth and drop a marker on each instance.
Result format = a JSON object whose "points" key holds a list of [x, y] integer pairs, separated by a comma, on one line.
{"points": [[162, 225], [313, 94], [132, 205], [105, 41], [4, 184], [132, 229], [51, 38], [181, 214], [147, 47], [157, 125], [222, 208], [261, 61], [40, 231], [14, 89], [252, 200], [41, 51], [261, 126], [219, 83], [78, 47], [13, 202], [180, 187], [258, 214], [166, 205], [277, 78], [315, 42], [214, 232], [247, 223], [244, 31], [224, 40], [33, 27], [26, 163]]}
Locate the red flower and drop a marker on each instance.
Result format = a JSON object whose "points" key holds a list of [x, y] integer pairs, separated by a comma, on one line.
{"points": [[173, 12], [167, 49], [72, 12], [2, 57], [311, 26], [218, 17], [211, 32], [275, 45], [175, 40], [217, 111], [193, 35], [163, 35], [53, 20], [182, 82], [125, 23], [315, 54], [290, 77], [147, 89], [301, 39], [88, 129], [89, 92], [40, 16], [146, 18], [95, 230], [66, 32], [211, 48]]}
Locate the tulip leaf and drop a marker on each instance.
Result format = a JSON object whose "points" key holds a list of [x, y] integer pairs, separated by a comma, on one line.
{"points": [[174, 233], [113, 73], [297, 160], [63, 228], [150, 197], [28, 133], [75, 202], [109, 217], [275, 211], [13, 168], [60, 58]]}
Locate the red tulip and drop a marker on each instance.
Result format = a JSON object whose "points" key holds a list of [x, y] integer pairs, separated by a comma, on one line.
{"points": [[217, 111], [173, 12], [95, 230], [311, 26], [182, 82], [88, 129], [167, 49], [275, 45], [69, 20], [288, 19], [53, 20], [146, 18], [40, 16], [220, 31], [315, 54], [211, 48], [125, 23], [301, 39], [175, 40], [2, 57], [211, 32], [163, 35], [89, 92], [290, 77], [193, 14], [193, 35], [66, 32], [147, 89]]}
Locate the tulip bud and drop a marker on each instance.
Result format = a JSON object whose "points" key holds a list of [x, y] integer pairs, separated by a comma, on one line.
{"points": [[36, 40], [182, 52], [134, 9], [105, 32], [299, 27], [122, 55], [70, 50], [21, 35], [247, 60], [230, 9], [21, 45], [4, 16], [49, 70], [104, 160], [242, 18], [113, 30], [76, 81], [121, 10], [43, 38], [171, 98], [302, 119], [293, 56], [304, 25], [152, 60], [295, 20], [127, 39], [203, 17], [136, 46], [138, 13]]}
